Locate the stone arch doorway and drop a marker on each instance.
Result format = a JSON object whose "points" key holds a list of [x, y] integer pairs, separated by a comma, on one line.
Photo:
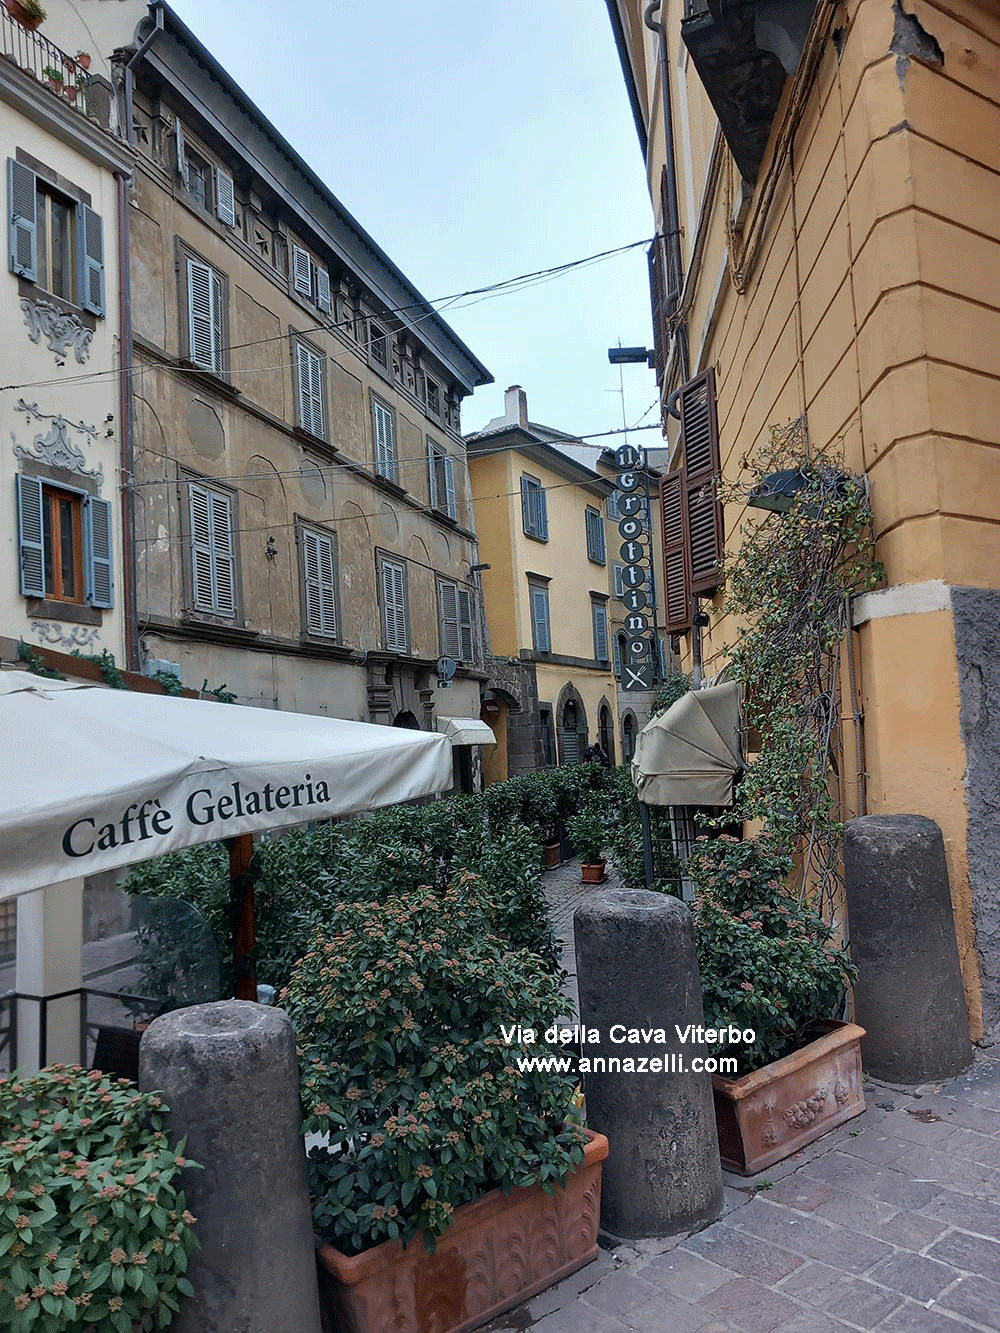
{"points": [[629, 731], [407, 720], [571, 725], [606, 732]]}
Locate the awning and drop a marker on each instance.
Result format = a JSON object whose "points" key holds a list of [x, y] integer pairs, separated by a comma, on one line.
{"points": [[96, 778], [466, 731], [690, 754]]}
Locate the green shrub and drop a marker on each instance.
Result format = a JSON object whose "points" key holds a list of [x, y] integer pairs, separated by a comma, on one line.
{"points": [[767, 959], [398, 1008], [95, 1233]]}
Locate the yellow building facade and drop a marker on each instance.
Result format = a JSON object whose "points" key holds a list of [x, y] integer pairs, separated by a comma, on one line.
{"points": [[541, 520], [827, 195]]}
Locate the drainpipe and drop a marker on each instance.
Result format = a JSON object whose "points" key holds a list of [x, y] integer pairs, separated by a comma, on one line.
{"points": [[672, 232], [130, 605]]}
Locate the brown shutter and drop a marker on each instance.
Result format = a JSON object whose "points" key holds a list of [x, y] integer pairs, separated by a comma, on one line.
{"points": [[700, 435], [655, 256], [676, 547], [671, 274]]}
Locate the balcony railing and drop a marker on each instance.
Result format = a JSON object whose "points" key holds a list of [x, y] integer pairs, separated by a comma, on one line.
{"points": [[60, 74]]}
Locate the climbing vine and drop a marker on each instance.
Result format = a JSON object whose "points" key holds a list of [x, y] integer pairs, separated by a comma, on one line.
{"points": [[789, 586]]}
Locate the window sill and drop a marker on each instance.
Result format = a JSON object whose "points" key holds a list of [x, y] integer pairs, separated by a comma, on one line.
{"points": [[44, 608], [542, 541], [393, 487], [209, 379], [34, 292]]}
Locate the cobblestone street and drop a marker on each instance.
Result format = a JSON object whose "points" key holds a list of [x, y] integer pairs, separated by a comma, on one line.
{"points": [[891, 1222]]}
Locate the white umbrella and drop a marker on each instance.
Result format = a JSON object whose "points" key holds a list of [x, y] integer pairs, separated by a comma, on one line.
{"points": [[96, 778]]}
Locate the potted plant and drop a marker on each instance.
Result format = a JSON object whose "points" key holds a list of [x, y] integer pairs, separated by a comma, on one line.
{"points": [[55, 77], [96, 1232], [588, 832], [448, 1183], [770, 967], [83, 60], [28, 13]]}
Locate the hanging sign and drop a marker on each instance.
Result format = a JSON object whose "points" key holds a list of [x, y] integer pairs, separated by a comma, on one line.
{"points": [[637, 671]]}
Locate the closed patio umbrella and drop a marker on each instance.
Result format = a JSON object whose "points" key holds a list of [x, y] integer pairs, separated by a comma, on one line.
{"points": [[690, 754]]}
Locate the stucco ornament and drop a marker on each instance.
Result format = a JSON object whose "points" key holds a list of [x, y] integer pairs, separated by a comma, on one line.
{"points": [[55, 446], [66, 636], [63, 330]]}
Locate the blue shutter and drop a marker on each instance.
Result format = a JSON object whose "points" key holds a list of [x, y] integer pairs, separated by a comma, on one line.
{"points": [[21, 210], [90, 247], [543, 513], [600, 632], [526, 514], [540, 619], [616, 648], [98, 568], [451, 504], [29, 535]]}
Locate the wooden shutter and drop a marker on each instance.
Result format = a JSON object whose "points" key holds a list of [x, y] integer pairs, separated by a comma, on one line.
{"points": [[595, 536], [541, 505], [222, 551], [30, 536], [225, 198], [432, 457], [98, 568], [448, 611], [22, 212], [309, 372], [466, 639], [527, 513], [676, 552], [202, 579], [451, 504], [90, 247], [385, 442], [319, 569], [700, 438], [301, 271], [656, 301], [204, 316], [616, 649], [323, 289], [182, 168], [394, 605], [600, 616], [540, 619], [671, 272]]}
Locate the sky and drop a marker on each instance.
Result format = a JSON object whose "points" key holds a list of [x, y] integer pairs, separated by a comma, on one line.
{"points": [[474, 142]]}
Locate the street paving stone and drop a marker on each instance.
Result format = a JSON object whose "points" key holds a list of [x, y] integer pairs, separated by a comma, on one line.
{"points": [[890, 1223]]}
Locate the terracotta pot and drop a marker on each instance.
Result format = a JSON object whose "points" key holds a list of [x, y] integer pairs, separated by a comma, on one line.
{"points": [[766, 1116], [83, 59], [593, 874], [500, 1250], [21, 15], [552, 853]]}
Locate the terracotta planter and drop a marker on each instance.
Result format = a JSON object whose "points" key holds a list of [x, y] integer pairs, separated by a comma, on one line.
{"points": [[552, 854], [766, 1116], [593, 874], [500, 1250], [21, 15]]}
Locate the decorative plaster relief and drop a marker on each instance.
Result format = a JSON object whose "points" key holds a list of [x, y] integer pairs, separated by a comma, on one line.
{"points": [[66, 636], [62, 330], [56, 448]]}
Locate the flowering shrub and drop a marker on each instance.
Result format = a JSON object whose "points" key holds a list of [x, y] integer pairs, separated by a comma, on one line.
{"points": [[398, 1008], [94, 1233], [766, 958]]}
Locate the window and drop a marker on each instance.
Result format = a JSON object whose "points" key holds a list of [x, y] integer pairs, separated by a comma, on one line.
{"points": [[54, 240], [618, 648], [441, 476], [612, 506], [384, 419], [318, 552], [548, 737], [197, 175], [455, 621], [378, 344], [664, 658], [541, 635], [310, 389], [65, 544], [213, 560], [205, 308], [392, 580], [211, 188], [617, 581], [599, 615], [534, 514], [595, 536], [433, 394], [309, 279]]}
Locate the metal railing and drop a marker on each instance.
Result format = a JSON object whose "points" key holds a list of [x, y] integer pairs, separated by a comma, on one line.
{"points": [[8, 1026], [53, 68]]}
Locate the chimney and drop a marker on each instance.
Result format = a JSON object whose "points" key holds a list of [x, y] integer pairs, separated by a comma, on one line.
{"points": [[515, 404]]}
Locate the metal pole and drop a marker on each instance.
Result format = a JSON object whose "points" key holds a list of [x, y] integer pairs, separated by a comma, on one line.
{"points": [[647, 845], [241, 897]]}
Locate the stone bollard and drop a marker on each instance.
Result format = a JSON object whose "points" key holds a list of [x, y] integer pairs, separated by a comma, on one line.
{"points": [[909, 992], [228, 1072], [637, 968]]}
